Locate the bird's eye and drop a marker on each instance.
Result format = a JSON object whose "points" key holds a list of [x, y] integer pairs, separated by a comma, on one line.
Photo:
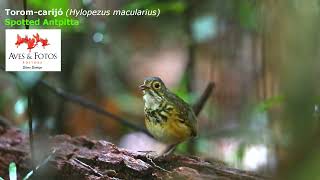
{"points": [[156, 85]]}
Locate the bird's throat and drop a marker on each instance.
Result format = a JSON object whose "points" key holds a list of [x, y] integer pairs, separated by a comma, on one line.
{"points": [[150, 101]]}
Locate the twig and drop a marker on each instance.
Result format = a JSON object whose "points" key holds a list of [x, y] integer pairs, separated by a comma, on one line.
{"points": [[191, 48], [94, 171], [198, 106], [29, 112], [40, 165], [93, 107], [90, 105], [191, 52], [86, 104], [190, 68]]}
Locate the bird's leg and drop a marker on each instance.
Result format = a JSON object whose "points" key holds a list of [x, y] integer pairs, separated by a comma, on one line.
{"points": [[169, 150]]}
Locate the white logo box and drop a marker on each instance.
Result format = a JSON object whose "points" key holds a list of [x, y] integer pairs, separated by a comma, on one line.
{"points": [[38, 58]]}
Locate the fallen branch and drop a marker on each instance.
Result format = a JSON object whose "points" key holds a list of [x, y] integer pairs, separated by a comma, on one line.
{"points": [[82, 158]]}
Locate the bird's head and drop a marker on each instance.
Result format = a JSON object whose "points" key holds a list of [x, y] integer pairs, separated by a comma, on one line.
{"points": [[153, 88]]}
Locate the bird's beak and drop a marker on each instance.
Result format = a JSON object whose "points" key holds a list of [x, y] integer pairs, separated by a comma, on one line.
{"points": [[143, 87]]}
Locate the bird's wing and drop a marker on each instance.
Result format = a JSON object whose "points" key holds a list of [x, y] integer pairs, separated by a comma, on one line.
{"points": [[185, 114]]}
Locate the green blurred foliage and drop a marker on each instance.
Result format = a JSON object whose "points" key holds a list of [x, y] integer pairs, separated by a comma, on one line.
{"points": [[13, 174], [308, 168], [182, 148], [269, 103], [49, 4], [241, 152], [177, 6], [202, 144], [12, 171], [247, 14], [182, 91]]}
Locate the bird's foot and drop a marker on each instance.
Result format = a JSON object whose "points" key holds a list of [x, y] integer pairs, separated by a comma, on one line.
{"points": [[155, 155], [150, 154]]}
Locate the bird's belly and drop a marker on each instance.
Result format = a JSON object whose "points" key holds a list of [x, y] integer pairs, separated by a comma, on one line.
{"points": [[169, 132]]}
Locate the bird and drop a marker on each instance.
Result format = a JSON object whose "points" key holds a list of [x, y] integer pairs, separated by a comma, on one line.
{"points": [[168, 118]]}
